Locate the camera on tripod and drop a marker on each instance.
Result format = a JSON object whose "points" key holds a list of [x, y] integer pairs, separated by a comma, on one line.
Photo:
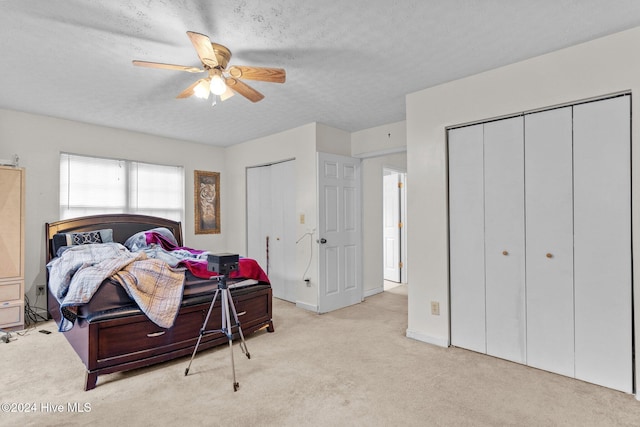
{"points": [[223, 263]]}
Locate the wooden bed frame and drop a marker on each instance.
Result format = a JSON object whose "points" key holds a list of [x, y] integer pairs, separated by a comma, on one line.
{"points": [[120, 340]]}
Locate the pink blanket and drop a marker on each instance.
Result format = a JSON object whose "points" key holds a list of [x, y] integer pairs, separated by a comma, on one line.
{"points": [[247, 268]]}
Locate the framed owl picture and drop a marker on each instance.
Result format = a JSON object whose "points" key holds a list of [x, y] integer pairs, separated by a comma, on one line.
{"points": [[206, 197]]}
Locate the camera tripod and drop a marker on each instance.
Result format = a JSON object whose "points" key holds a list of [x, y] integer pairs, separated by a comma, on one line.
{"points": [[226, 302]]}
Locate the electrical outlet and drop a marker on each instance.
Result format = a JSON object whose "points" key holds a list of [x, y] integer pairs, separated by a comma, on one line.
{"points": [[435, 308], [40, 290]]}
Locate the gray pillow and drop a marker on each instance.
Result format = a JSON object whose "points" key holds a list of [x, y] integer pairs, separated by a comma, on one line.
{"points": [[62, 240]]}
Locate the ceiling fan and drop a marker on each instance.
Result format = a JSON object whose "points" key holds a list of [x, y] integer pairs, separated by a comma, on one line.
{"points": [[221, 81]]}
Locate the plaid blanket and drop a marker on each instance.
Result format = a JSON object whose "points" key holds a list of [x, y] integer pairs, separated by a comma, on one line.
{"points": [[76, 275], [155, 287]]}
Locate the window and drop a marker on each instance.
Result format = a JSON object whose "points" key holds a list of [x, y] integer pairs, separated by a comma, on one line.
{"points": [[93, 186]]}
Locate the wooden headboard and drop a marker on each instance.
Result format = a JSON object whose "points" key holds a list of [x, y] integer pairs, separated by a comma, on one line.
{"points": [[123, 226]]}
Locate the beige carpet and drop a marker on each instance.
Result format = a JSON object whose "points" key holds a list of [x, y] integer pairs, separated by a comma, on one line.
{"points": [[352, 367]]}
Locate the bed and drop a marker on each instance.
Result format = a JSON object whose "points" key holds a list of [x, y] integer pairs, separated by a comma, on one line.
{"points": [[111, 332]]}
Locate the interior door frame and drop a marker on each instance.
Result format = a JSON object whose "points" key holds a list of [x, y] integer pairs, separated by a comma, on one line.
{"points": [[402, 217]]}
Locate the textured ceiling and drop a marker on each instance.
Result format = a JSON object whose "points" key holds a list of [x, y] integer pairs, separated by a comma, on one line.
{"points": [[349, 63]]}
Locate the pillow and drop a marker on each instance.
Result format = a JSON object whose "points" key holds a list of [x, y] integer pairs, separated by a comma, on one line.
{"points": [[139, 240], [71, 239]]}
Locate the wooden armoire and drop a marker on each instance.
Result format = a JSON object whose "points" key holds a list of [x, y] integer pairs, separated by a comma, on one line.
{"points": [[12, 195]]}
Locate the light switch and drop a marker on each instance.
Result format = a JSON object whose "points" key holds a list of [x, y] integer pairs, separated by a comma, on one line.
{"points": [[435, 308]]}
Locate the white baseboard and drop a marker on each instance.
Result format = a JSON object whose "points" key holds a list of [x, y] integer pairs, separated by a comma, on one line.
{"points": [[370, 292], [427, 338], [306, 306]]}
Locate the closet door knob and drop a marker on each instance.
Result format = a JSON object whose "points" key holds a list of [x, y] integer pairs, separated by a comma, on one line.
{"points": [[505, 253], [549, 255]]}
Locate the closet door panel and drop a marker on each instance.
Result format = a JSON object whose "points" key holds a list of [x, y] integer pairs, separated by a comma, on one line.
{"points": [[603, 243], [504, 238], [271, 224], [276, 231], [549, 240], [258, 213], [283, 229], [466, 236]]}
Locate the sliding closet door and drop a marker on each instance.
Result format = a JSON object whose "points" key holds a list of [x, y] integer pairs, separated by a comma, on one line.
{"points": [[271, 223], [549, 240], [504, 238], [603, 243], [283, 228], [258, 213], [466, 236]]}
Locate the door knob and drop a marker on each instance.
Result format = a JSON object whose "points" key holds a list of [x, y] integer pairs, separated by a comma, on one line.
{"points": [[549, 255], [323, 241], [505, 253]]}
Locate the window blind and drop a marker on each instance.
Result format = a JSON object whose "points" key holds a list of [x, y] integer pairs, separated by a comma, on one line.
{"points": [[94, 185]]}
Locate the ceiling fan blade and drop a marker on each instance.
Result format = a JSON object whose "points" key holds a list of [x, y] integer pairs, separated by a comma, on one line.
{"points": [[190, 90], [244, 89], [167, 66], [273, 75], [203, 48]]}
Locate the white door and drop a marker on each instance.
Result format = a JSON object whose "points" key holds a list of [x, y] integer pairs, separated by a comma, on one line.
{"points": [[602, 224], [466, 236], [549, 236], [339, 231], [282, 231], [504, 239], [271, 224], [391, 226], [258, 214]]}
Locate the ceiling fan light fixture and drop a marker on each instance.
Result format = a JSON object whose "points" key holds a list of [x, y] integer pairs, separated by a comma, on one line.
{"points": [[201, 90], [221, 82], [217, 85]]}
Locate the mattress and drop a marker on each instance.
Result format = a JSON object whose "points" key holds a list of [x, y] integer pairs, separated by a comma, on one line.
{"points": [[112, 297]]}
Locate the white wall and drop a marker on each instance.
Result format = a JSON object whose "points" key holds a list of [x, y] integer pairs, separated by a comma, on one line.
{"points": [[380, 140], [302, 144], [332, 140], [603, 66], [38, 141], [298, 144]]}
